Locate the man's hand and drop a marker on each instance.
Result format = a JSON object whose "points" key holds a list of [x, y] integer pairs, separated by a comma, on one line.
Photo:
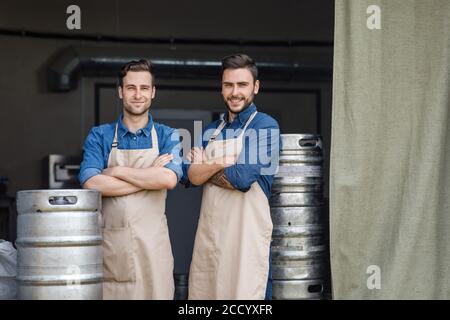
{"points": [[155, 177], [226, 161], [162, 160], [109, 185], [196, 155]]}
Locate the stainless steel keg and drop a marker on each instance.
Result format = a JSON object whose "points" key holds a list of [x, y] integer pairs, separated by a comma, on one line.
{"points": [[59, 244], [298, 247], [298, 289]]}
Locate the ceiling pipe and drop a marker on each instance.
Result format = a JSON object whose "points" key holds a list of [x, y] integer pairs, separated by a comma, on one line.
{"points": [[74, 62]]}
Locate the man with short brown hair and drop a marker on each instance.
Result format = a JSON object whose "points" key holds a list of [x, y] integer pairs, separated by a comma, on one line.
{"points": [[133, 162], [232, 244]]}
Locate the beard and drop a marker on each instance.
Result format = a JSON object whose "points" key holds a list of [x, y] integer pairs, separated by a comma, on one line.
{"points": [[247, 103], [128, 108]]}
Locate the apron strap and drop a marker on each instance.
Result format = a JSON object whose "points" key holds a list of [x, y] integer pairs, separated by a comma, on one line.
{"points": [[115, 143], [248, 122], [222, 125], [154, 138], [217, 131]]}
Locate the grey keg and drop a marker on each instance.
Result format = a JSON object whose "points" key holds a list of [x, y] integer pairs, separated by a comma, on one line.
{"points": [[59, 245], [299, 248], [298, 289], [299, 179], [301, 156]]}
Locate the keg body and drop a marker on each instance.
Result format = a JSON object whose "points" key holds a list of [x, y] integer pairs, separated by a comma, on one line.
{"points": [[59, 245], [299, 249]]}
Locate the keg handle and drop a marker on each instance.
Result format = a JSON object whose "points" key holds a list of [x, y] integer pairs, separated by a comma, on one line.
{"points": [[315, 288], [62, 200], [309, 143]]}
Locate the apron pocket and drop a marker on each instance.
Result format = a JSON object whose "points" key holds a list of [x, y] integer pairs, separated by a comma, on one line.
{"points": [[118, 262]]}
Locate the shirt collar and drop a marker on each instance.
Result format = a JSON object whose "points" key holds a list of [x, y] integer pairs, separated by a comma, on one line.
{"points": [[122, 130], [242, 116]]}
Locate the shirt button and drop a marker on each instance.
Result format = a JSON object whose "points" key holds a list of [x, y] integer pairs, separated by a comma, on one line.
{"points": [[139, 132], [134, 138]]}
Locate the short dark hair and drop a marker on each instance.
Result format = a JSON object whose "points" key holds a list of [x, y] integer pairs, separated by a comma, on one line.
{"points": [[238, 61], [136, 65]]}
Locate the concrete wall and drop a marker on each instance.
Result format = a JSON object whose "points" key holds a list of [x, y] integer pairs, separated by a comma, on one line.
{"points": [[257, 20]]}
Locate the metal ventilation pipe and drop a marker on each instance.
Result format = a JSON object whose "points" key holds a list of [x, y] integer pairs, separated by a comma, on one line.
{"points": [[75, 62]]}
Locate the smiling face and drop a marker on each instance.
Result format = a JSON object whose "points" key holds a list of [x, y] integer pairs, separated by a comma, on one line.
{"points": [[137, 92], [238, 89]]}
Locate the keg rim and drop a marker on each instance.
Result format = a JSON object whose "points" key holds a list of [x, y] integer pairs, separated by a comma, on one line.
{"points": [[301, 135], [57, 190]]}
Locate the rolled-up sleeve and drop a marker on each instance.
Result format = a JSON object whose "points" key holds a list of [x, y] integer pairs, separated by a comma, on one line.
{"points": [[172, 145], [260, 156], [93, 160]]}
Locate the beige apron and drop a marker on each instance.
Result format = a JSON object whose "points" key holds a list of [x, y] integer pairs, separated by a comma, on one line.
{"points": [[137, 255], [232, 244]]}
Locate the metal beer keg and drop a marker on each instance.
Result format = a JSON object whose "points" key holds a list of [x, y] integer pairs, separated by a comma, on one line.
{"points": [[298, 247], [59, 245]]}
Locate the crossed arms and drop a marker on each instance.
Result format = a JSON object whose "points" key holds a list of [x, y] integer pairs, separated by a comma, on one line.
{"points": [[200, 172], [120, 181]]}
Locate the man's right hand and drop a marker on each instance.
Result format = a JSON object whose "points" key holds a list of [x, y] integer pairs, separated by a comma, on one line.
{"points": [[196, 155], [162, 160]]}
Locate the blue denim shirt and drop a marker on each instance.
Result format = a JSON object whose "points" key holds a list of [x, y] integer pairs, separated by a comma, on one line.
{"points": [[261, 144], [97, 146]]}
